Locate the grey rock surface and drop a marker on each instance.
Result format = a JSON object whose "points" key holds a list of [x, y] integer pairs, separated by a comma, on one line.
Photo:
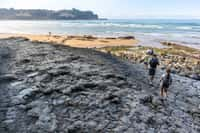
{"points": [[47, 88]]}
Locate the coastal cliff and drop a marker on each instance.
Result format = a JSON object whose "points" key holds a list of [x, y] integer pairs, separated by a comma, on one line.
{"points": [[54, 88], [37, 14]]}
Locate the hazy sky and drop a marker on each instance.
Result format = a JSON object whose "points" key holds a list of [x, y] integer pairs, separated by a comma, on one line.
{"points": [[117, 8]]}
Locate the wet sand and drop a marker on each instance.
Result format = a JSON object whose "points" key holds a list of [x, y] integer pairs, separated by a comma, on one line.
{"points": [[77, 41]]}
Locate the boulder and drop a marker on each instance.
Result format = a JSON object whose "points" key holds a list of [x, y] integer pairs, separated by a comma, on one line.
{"points": [[146, 100], [195, 76], [127, 37]]}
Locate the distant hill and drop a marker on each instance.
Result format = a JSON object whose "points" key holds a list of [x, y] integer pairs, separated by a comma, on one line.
{"points": [[40, 14]]}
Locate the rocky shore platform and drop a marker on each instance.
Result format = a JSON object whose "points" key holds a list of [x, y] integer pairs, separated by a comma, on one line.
{"points": [[183, 60], [49, 88]]}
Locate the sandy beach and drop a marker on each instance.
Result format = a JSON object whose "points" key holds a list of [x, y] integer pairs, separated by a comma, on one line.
{"points": [[78, 41]]}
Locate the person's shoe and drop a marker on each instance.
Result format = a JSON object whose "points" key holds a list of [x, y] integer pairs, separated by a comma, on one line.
{"points": [[161, 99], [151, 83], [165, 98]]}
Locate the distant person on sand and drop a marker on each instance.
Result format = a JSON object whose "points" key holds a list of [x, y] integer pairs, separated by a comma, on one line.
{"points": [[49, 35], [165, 82], [148, 54], [153, 63]]}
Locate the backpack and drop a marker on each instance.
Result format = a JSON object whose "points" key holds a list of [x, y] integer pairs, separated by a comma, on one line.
{"points": [[166, 80], [153, 62], [149, 52]]}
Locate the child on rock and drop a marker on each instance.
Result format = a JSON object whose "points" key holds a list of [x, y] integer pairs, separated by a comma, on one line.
{"points": [[165, 82]]}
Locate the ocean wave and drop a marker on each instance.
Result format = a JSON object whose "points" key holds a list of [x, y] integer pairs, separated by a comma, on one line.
{"points": [[112, 25], [195, 37], [184, 28], [146, 26]]}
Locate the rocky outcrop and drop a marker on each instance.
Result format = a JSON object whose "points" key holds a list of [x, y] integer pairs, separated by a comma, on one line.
{"points": [[127, 37], [183, 60], [52, 88]]}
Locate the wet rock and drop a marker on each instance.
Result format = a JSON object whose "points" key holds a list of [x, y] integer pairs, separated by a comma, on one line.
{"points": [[92, 124], [194, 112], [127, 37], [112, 38], [58, 102], [77, 88], [58, 72], [24, 95], [151, 121], [46, 78], [31, 75], [73, 58], [111, 75], [146, 100], [25, 61], [89, 37], [8, 122], [67, 90], [76, 127], [8, 78], [45, 119], [46, 123], [28, 92], [45, 89], [195, 76], [113, 98]]}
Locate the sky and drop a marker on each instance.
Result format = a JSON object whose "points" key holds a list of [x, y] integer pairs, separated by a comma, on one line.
{"points": [[117, 9]]}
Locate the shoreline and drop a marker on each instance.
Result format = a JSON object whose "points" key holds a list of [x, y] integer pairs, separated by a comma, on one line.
{"points": [[182, 59], [92, 41]]}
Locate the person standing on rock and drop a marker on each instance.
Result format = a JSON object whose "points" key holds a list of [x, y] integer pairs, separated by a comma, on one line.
{"points": [[165, 82], [196, 71], [153, 63], [148, 54]]}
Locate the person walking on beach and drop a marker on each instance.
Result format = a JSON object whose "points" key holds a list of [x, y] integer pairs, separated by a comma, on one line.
{"points": [[153, 63], [49, 35], [165, 82]]}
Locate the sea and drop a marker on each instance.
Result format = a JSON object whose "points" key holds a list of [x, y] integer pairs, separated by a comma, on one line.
{"points": [[149, 32]]}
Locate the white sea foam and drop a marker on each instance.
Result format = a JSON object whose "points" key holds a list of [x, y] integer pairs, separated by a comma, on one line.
{"points": [[143, 26], [184, 28], [146, 26]]}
